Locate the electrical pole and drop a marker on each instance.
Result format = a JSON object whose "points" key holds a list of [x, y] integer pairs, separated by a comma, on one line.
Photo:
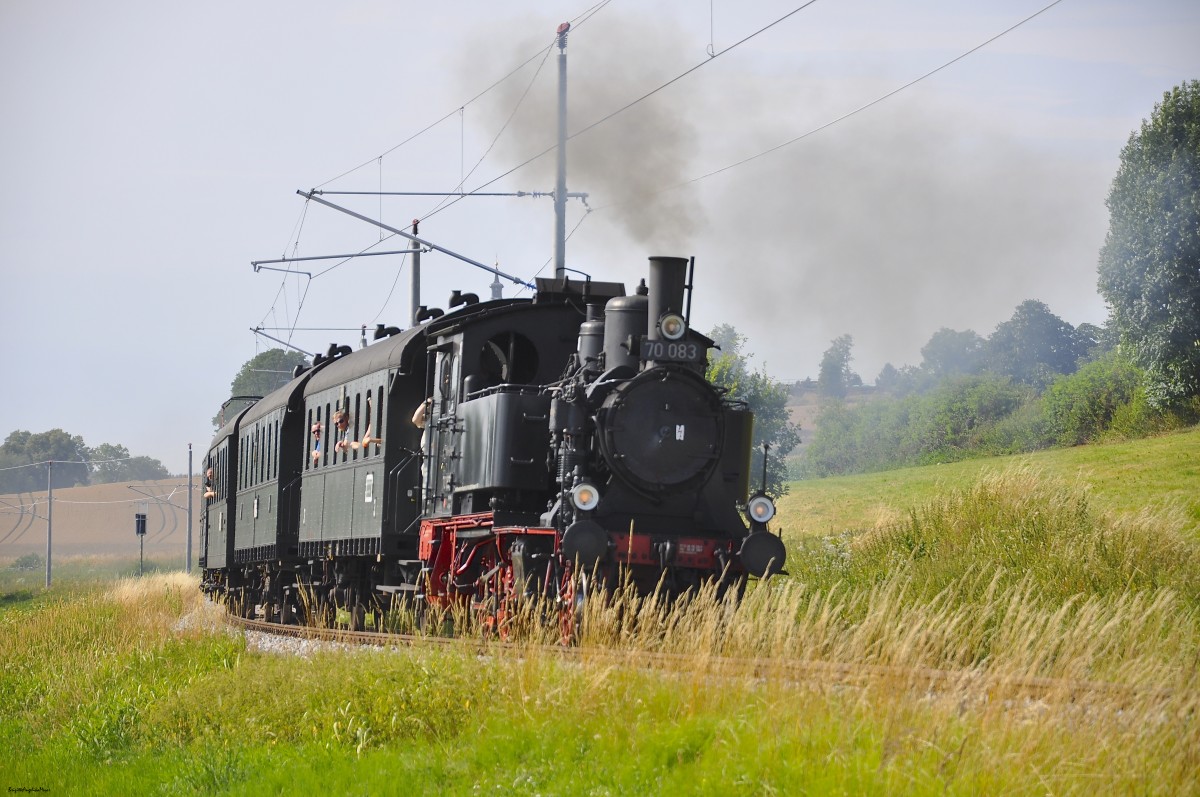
{"points": [[49, 515], [414, 285], [187, 562], [560, 185]]}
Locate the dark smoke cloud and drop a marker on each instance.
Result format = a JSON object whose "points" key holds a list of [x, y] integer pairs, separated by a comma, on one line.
{"points": [[612, 60], [913, 215], [891, 225]]}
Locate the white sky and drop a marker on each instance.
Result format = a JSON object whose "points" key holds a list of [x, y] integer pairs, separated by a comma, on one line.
{"points": [[150, 150]]}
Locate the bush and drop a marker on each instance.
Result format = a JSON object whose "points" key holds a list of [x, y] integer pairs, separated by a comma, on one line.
{"points": [[1023, 431], [1079, 408], [30, 561], [955, 421]]}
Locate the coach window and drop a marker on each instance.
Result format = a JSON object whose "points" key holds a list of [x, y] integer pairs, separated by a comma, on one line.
{"points": [[378, 419], [331, 436], [355, 438], [372, 421], [365, 441], [314, 439]]}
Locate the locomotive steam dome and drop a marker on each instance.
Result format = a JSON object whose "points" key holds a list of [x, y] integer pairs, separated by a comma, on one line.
{"points": [[662, 430]]}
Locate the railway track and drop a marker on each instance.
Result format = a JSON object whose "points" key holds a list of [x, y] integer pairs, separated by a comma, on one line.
{"points": [[970, 683]]}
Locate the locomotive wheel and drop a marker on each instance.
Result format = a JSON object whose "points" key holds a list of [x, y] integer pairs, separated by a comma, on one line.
{"points": [[504, 613], [493, 603], [572, 595]]}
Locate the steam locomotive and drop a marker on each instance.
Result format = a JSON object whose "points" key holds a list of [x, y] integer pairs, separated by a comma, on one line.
{"points": [[503, 451]]}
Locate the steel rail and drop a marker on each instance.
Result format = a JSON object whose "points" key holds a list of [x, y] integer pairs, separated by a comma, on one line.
{"points": [[810, 671]]}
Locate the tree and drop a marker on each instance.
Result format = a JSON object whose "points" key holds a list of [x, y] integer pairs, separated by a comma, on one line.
{"points": [[835, 377], [258, 376], [1033, 346], [1149, 270], [23, 448], [901, 381], [766, 398], [951, 353], [112, 463], [728, 339]]}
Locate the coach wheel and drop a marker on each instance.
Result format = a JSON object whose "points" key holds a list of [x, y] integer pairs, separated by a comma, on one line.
{"points": [[356, 609], [245, 604]]}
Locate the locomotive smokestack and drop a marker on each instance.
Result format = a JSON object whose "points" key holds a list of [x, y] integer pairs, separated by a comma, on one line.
{"points": [[668, 275]]}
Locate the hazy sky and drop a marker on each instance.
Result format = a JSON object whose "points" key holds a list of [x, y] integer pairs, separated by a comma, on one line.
{"points": [[151, 150]]}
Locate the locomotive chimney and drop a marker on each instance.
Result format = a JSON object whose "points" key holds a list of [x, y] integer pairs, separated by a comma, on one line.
{"points": [[668, 275]]}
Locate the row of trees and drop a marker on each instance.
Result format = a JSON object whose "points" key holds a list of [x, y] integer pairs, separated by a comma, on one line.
{"points": [[985, 414], [1038, 381], [75, 462], [1032, 348]]}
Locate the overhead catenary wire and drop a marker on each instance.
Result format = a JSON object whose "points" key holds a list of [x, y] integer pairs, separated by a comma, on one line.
{"points": [[580, 20], [656, 90], [841, 118], [434, 124], [444, 203], [647, 95], [68, 462]]}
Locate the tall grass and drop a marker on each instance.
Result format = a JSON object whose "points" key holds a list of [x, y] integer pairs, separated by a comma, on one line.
{"points": [[990, 588]]}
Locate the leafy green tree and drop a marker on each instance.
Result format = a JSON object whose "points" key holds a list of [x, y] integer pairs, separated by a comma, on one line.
{"points": [[1150, 264], [22, 448], [112, 463], [1094, 342], [766, 398], [1033, 346], [835, 377], [953, 353], [258, 376]]}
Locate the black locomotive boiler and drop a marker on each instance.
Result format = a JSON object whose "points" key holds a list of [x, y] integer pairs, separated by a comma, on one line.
{"points": [[498, 452]]}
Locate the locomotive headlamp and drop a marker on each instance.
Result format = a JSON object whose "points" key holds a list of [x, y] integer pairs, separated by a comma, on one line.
{"points": [[672, 326], [585, 496], [760, 509]]}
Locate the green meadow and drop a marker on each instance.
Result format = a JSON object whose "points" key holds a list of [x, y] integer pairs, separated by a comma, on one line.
{"points": [[1055, 598]]}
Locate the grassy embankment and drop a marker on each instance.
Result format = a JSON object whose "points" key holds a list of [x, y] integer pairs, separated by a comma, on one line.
{"points": [[1156, 474], [1015, 577]]}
